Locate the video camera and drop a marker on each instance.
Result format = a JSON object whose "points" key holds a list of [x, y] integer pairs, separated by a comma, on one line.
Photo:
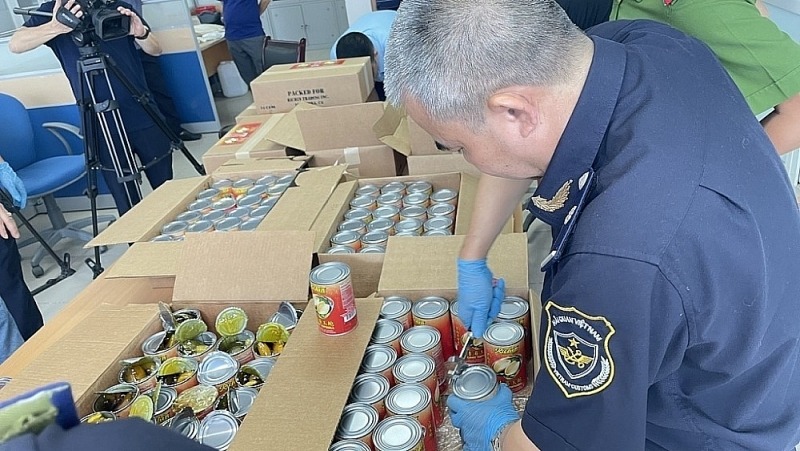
{"points": [[98, 16]]}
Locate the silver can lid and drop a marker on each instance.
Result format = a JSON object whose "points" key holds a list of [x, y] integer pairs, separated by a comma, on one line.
{"points": [[224, 183], [408, 233], [249, 200], [394, 307], [444, 195], [393, 186], [277, 189], [357, 421], [475, 382], [250, 225], [243, 183], [200, 226], [341, 249], [269, 202], [386, 211], [245, 397], [504, 333], [384, 224], [258, 190], [386, 330], [174, 227], [441, 209], [218, 429], [430, 307], [207, 338], [420, 187], [513, 307], [286, 179], [223, 204], [390, 198], [150, 345], [358, 213], [345, 237], [414, 211], [420, 339], [349, 445], [267, 180], [415, 199], [408, 399], [260, 212], [199, 205], [189, 216], [162, 238], [352, 225], [329, 273], [438, 223], [454, 307], [207, 193], [368, 190], [398, 433], [373, 249], [187, 426], [375, 237], [166, 397], [369, 388], [437, 232], [414, 367], [228, 224], [262, 366], [239, 212], [408, 225], [362, 202], [217, 368], [378, 358], [214, 216]]}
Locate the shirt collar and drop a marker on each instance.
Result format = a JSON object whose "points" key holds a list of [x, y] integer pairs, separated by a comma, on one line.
{"points": [[562, 188]]}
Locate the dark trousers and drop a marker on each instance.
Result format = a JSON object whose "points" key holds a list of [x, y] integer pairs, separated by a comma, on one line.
{"points": [[148, 144], [247, 55], [16, 295], [158, 88]]}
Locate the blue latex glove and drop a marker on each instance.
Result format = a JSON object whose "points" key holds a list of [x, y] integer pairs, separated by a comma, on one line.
{"points": [[479, 422], [11, 183], [479, 299]]}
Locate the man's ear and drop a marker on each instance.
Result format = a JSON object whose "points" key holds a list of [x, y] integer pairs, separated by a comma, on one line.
{"points": [[516, 109]]}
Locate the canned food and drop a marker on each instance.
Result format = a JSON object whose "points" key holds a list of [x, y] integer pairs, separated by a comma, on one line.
{"points": [[353, 225], [269, 202], [414, 400], [275, 191], [255, 373], [286, 179], [388, 332], [371, 388], [504, 350], [140, 372], [163, 409], [211, 194], [435, 311], [416, 199], [341, 249], [185, 423], [259, 191], [357, 423], [249, 201], [420, 187], [381, 224], [445, 196], [391, 199], [411, 225], [99, 417], [218, 370], [241, 186], [406, 234], [387, 212], [397, 308], [116, 399], [368, 190], [214, 216], [199, 398], [348, 238], [201, 227], [189, 217], [365, 202], [271, 338], [476, 383], [518, 310], [250, 225], [349, 445], [379, 359], [203, 206], [443, 232], [179, 373], [161, 345], [226, 204], [373, 249], [223, 186], [267, 180], [162, 238], [475, 354], [184, 314], [218, 429], [245, 397], [414, 212], [240, 346], [260, 212], [394, 187], [228, 225], [378, 237], [438, 223], [442, 210], [334, 301], [426, 339], [174, 228], [421, 368], [359, 213], [399, 433], [242, 213]]}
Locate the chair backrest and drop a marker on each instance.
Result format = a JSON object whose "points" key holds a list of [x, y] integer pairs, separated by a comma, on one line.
{"points": [[282, 52], [16, 133]]}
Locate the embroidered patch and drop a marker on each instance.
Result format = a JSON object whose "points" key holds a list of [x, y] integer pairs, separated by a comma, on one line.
{"points": [[576, 351], [557, 202]]}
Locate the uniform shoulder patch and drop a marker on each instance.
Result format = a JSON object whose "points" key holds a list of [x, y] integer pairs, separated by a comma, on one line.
{"points": [[576, 350]]}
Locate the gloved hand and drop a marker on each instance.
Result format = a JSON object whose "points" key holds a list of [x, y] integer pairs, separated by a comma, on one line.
{"points": [[11, 183], [480, 421], [479, 299]]}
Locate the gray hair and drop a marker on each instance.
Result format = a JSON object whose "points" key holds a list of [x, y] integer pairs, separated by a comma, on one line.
{"points": [[452, 55]]}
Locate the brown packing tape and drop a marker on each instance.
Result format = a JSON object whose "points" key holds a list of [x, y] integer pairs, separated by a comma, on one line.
{"points": [[310, 386]]}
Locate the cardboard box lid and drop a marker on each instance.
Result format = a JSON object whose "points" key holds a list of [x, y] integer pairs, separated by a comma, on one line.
{"points": [[314, 69], [244, 267], [147, 260], [336, 127], [255, 142], [398, 131], [253, 167], [420, 264]]}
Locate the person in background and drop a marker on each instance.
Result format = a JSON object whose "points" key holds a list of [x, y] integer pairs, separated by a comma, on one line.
{"points": [[20, 317], [367, 37], [763, 61], [147, 141], [669, 303], [245, 35]]}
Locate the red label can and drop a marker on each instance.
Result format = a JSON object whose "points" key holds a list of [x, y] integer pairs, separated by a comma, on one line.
{"points": [[421, 368], [334, 301], [504, 345], [414, 400], [435, 312], [475, 353], [427, 340]]}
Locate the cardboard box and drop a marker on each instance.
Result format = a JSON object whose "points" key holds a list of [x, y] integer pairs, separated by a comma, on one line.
{"points": [[339, 135], [157, 262], [323, 83], [250, 114], [244, 141]]}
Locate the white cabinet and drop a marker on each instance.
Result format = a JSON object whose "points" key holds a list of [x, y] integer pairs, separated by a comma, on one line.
{"points": [[319, 21], [287, 22]]}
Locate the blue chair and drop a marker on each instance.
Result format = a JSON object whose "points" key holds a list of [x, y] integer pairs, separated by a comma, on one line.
{"points": [[42, 178]]}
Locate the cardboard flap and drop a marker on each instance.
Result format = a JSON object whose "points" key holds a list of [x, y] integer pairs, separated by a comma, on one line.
{"points": [[82, 355], [331, 214], [150, 214], [417, 264], [340, 127], [148, 260], [293, 71], [258, 166], [309, 386], [392, 130], [244, 267], [422, 143], [286, 131]]}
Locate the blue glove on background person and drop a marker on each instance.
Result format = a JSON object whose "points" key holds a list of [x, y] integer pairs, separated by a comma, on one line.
{"points": [[479, 299], [11, 183], [480, 421]]}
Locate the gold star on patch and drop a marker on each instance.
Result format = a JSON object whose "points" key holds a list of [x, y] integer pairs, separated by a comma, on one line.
{"points": [[573, 342], [557, 202]]}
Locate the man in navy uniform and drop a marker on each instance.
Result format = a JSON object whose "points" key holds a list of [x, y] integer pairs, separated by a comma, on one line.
{"points": [[670, 302]]}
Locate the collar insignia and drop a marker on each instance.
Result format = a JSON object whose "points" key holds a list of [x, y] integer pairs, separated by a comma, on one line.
{"points": [[557, 202]]}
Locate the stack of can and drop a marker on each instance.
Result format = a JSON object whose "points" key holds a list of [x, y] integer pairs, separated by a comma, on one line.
{"points": [[228, 205], [396, 208]]}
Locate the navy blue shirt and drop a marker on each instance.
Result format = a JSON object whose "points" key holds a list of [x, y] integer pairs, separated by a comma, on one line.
{"points": [[124, 54], [242, 19], [671, 297]]}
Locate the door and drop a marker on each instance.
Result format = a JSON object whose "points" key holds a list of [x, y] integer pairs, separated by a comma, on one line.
{"points": [[322, 28], [287, 22]]}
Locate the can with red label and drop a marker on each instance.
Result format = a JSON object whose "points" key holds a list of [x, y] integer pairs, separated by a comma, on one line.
{"points": [[388, 332], [435, 311], [475, 354], [420, 368], [415, 401], [518, 310], [334, 301], [379, 359], [504, 348], [397, 308], [428, 340], [371, 388]]}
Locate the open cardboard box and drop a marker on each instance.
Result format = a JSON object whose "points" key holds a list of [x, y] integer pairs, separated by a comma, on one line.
{"points": [[244, 141], [339, 135], [323, 83]]}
